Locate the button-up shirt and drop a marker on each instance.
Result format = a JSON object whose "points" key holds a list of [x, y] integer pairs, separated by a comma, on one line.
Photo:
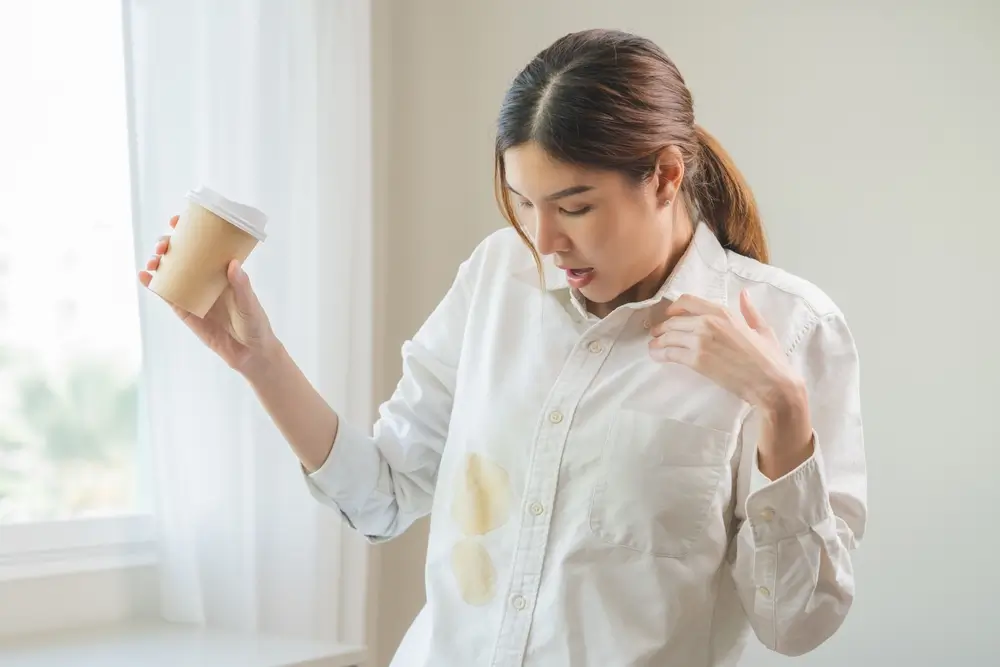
{"points": [[591, 506]]}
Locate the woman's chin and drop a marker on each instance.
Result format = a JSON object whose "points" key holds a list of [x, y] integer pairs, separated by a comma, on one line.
{"points": [[598, 294]]}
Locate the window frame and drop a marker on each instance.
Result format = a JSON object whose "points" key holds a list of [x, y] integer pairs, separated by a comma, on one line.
{"points": [[34, 549]]}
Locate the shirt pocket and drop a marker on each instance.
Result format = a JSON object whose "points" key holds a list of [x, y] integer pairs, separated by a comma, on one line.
{"points": [[659, 479]]}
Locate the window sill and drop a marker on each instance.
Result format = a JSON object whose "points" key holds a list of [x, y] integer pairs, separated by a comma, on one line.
{"points": [[161, 644], [67, 547]]}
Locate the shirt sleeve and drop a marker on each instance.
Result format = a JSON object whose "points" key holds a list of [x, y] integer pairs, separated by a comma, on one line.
{"points": [[381, 483], [792, 566]]}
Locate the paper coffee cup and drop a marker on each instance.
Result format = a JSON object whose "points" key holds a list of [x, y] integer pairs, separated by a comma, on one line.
{"points": [[211, 233]]}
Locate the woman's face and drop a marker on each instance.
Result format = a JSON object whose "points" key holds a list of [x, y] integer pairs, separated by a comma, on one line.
{"points": [[616, 240]]}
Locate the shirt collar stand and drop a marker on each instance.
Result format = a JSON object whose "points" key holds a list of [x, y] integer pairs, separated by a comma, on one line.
{"points": [[700, 272]]}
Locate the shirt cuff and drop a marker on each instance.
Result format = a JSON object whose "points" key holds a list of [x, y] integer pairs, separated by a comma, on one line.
{"points": [[348, 477], [790, 505]]}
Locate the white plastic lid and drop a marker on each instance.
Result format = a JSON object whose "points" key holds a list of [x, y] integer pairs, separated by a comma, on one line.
{"points": [[245, 217]]}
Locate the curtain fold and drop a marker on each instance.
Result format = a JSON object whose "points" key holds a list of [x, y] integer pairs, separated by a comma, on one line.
{"points": [[266, 102]]}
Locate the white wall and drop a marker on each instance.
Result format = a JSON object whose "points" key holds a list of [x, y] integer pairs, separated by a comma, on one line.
{"points": [[81, 599], [869, 132]]}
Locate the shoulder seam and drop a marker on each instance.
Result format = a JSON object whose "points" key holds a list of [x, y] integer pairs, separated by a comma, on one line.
{"points": [[811, 325], [812, 308]]}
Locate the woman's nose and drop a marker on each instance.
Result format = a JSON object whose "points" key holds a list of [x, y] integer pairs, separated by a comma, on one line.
{"points": [[549, 238]]}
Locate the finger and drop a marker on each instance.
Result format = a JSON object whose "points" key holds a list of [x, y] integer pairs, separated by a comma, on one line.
{"points": [[162, 245], [246, 300], [682, 339], [153, 263], [750, 313], [183, 314], [688, 304], [144, 278], [675, 355], [173, 221], [677, 323]]}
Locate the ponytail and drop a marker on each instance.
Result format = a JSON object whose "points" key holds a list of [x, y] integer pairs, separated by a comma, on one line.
{"points": [[726, 202]]}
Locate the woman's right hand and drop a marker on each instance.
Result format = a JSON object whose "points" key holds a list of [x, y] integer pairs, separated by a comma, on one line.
{"points": [[236, 328]]}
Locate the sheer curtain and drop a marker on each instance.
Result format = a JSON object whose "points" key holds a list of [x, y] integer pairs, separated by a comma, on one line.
{"points": [[269, 103]]}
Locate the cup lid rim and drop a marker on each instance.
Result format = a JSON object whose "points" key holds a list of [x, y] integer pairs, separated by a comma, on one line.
{"points": [[247, 218]]}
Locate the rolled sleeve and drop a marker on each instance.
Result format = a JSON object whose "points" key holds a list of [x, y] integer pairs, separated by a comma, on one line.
{"points": [[348, 477]]}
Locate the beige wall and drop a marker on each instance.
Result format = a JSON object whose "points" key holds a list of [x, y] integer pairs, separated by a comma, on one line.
{"points": [[397, 567], [869, 132]]}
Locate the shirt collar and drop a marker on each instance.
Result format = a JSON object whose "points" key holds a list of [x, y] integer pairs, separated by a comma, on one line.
{"points": [[700, 272]]}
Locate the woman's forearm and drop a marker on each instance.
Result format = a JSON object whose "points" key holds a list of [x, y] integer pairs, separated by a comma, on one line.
{"points": [[304, 418]]}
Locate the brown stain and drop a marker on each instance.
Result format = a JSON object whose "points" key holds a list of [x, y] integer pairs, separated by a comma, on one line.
{"points": [[481, 501], [474, 572]]}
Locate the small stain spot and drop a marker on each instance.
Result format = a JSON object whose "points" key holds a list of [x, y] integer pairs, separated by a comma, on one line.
{"points": [[482, 496], [474, 571]]}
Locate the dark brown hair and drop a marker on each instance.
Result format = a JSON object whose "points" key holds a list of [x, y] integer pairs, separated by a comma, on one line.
{"points": [[614, 101]]}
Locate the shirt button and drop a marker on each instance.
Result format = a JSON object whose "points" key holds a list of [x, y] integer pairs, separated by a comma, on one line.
{"points": [[555, 417], [764, 591], [766, 514], [537, 509], [595, 347], [519, 602]]}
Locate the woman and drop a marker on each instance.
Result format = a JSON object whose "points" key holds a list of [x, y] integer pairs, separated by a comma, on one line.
{"points": [[632, 463]]}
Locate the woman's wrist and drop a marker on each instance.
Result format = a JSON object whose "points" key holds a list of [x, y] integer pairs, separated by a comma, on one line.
{"points": [[789, 440], [263, 363]]}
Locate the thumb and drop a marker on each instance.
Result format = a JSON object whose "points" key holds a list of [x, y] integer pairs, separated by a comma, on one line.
{"points": [[243, 293], [752, 315]]}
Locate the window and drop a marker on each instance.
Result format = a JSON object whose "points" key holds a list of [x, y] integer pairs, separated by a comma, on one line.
{"points": [[69, 323]]}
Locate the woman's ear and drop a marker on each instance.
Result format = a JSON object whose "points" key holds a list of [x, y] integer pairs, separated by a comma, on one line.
{"points": [[668, 175]]}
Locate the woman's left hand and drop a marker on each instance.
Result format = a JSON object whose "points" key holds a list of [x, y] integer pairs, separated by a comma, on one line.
{"points": [[742, 355]]}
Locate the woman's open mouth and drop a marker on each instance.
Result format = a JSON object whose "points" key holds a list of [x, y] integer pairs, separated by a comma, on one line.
{"points": [[579, 278]]}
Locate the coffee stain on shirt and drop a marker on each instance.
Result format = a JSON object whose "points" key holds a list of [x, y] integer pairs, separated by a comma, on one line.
{"points": [[481, 501], [474, 571]]}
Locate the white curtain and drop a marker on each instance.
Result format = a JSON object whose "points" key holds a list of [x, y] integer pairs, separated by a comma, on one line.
{"points": [[267, 102]]}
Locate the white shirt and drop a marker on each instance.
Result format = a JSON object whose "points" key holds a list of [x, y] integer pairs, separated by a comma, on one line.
{"points": [[591, 506]]}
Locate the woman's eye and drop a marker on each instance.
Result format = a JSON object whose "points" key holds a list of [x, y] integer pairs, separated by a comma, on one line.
{"points": [[524, 203], [580, 211]]}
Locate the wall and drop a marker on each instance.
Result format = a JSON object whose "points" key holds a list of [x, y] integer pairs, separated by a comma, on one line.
{"points": [[81, 599], [868, 131], [398, 586]]}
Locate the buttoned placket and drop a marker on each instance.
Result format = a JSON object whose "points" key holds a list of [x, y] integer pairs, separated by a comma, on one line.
{"points": [[552, 433]]}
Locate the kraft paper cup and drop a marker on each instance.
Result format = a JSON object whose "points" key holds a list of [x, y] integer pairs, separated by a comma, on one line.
{"points": [[211, 233]]}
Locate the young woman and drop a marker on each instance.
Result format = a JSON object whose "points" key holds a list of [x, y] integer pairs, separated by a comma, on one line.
{"points": [[636, 439]]}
